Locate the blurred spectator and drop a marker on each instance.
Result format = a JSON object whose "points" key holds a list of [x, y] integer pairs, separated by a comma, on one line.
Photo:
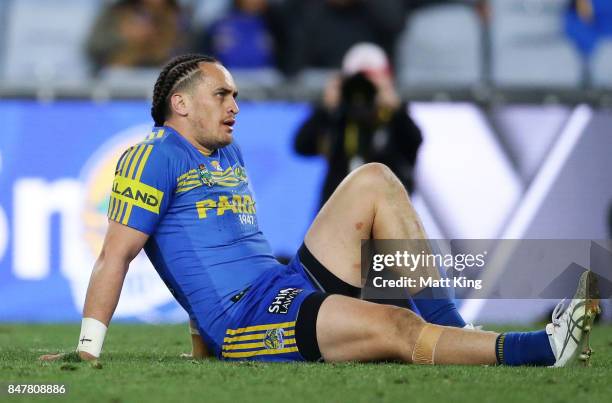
{"points": [[587, 22], [361, 120], [324, 30], [248, 37], [136, 33]]}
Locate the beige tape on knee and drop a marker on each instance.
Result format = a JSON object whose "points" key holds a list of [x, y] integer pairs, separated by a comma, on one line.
{"points": [[425, 346]]}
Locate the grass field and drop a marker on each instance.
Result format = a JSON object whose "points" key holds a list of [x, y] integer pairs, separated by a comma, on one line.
{"points": [[141, 363]]}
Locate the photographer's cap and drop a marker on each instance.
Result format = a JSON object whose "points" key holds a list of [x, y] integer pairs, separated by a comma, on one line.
{"points": [[366, 58]]}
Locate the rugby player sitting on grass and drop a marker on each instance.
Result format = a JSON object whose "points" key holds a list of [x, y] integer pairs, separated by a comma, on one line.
{"points": [[182, 194]]}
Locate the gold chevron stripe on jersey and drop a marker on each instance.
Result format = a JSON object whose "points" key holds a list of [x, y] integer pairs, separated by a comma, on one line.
{"points": [[226, 172], [227, 183], [191, 179], [187, 181], [129, 160], [122, 159], [232, 332], [187, 188], [129, 172], [136, 177], [137, 156], [116, 204], [190, 173], [111, 207], [117, 208], [143, 162]]}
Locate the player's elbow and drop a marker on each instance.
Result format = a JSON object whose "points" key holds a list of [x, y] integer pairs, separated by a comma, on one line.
{"points": [[114, 259]]}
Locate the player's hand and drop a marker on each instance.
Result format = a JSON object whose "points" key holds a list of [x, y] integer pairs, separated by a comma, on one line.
{"points": [[195, 355], [387, 96], [331, 93], [199, 350], [51, 357], [60, 356]]}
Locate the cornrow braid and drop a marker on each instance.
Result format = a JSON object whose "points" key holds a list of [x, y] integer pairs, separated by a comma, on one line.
{"points": [[177, 73]]}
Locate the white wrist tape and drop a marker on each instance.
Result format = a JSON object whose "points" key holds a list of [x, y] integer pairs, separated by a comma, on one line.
{"points": [[194, 330], [92, 336]]}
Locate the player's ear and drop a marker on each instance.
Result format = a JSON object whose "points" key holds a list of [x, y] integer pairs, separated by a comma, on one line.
{"points": [[179, 103]]}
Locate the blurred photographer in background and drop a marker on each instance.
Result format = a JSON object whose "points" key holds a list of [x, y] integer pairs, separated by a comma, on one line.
{"points": [[361, 119]]}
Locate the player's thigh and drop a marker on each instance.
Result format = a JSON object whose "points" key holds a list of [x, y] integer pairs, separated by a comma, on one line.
{"points": [[334, 237], [350, 329]]}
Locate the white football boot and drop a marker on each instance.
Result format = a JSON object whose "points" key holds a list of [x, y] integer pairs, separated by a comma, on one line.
{"points": [[568, 333]]}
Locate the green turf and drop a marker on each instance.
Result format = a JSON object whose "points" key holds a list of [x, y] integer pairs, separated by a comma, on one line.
{"points": [[141, 363]]}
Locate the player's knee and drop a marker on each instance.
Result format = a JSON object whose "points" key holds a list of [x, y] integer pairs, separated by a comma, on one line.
{"points": [[401, 332], [373, 175], [374, 171]]}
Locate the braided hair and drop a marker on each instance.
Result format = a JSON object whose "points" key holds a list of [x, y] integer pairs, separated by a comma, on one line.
{"points": [[179, 73]]}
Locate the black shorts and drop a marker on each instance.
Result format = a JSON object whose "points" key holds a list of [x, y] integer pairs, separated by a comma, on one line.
{"points": [[327, 283]]}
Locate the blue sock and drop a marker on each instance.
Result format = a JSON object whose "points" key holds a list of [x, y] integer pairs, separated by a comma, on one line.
{"points": [[524, 348], [437, 310]]}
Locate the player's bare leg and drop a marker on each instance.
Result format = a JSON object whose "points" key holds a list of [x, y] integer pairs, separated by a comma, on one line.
{"points": [[349, 329], [370, 203]]}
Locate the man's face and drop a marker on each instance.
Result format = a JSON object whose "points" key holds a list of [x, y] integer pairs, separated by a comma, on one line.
{"points": [[212, 108]]}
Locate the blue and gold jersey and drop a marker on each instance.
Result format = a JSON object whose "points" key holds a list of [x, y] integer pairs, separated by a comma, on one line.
{"points": [[204, 241]]}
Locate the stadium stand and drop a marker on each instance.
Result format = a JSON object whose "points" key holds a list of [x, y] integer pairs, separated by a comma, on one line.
{"points": [[44, 40], [440, 46], [446, 52], [527, 39], [601, 65]]}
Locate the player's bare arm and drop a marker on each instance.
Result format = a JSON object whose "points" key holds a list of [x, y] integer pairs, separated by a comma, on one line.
{"points": [[121, 245], [199, 350]]}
